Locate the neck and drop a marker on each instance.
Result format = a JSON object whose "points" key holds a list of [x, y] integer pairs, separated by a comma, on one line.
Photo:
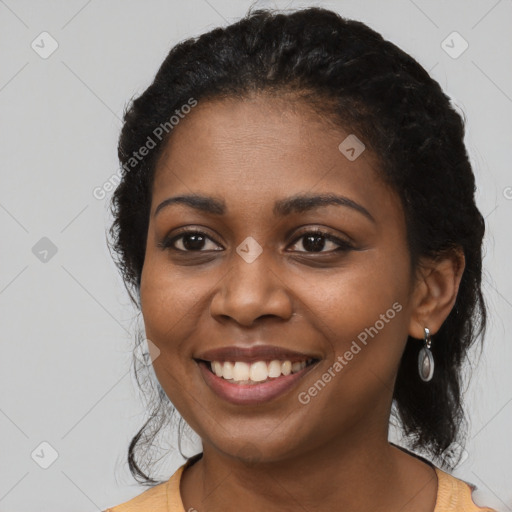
{"points": [[360, 473]]}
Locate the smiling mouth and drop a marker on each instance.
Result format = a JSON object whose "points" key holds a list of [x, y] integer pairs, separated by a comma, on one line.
{"points": [[258, 372]]}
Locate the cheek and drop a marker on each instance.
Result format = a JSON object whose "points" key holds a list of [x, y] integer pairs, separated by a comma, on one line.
{"points": [[169, 305], [363, 320], [169, 308], [362, 313]]}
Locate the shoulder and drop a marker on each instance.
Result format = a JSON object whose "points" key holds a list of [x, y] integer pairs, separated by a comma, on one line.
{"points": [[454, 494], [154, 499], [164, 497]]}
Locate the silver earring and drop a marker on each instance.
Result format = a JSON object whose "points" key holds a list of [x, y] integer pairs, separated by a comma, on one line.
{"points": [[426, 359]]}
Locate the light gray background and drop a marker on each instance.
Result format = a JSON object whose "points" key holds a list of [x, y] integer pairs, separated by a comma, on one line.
{"points": [[66, 324]]}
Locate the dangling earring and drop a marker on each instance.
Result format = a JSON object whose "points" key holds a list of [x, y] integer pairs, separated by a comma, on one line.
{"points": [[426, 359]]}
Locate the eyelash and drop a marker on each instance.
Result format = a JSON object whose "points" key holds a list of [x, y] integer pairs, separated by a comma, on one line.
{"points": [[167, 243]]}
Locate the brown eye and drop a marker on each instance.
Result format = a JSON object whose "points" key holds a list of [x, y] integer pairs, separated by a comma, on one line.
{"points": [[318, 240], [189, 241]]}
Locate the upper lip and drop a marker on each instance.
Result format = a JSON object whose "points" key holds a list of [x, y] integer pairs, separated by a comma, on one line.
{"points": [[253, 354]]}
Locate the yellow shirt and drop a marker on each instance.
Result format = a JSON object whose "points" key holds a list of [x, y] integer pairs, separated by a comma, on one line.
{"points": [[453, 495]]}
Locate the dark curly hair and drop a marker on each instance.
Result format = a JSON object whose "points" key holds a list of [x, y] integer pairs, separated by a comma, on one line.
{"points": [[353, 78]]}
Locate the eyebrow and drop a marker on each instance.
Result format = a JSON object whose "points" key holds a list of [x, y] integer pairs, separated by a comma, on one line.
{"points": [[295, 204]]}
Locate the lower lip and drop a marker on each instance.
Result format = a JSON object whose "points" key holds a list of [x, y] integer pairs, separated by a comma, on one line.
{"points": [[250, 394]]}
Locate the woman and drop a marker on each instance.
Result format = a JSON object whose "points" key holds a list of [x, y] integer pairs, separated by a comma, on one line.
{"points": [[296, 221]]}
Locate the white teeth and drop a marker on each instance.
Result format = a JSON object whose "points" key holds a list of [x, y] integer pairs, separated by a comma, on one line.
{"points": [[227, 370], [241, 371], [274, 369], [256, 372], [296, 367], [286, 368], [217, 368]]}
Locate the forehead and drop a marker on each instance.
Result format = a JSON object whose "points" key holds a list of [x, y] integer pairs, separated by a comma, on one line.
{"points": [[254, 150], [230, 131]]}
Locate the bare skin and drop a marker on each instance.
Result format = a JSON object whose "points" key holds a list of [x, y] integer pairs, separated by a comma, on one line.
{"points": [[333, 452]]}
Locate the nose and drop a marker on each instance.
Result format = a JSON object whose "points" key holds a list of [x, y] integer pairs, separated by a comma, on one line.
{"points": [[250, 291]]}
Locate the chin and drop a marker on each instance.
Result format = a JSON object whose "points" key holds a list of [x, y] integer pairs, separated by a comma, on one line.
{"points": [[258, 450]]}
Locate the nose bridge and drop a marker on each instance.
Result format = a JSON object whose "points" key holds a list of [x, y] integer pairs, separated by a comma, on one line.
{"points": [[251, 267], [251, 288]]}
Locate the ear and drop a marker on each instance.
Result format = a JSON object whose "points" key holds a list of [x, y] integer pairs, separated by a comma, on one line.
{"points": [[435, 291]]}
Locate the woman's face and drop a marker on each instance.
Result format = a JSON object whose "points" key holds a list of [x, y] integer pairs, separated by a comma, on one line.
{"points": [[257, 276]]}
